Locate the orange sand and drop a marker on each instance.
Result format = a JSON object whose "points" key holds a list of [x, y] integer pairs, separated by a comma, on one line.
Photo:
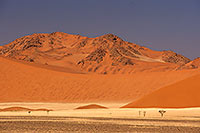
{"points": [[179, 95], [22, 82], [92, 106], [22, 109]]}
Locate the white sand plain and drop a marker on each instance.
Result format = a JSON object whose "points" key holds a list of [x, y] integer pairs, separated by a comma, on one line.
{"points": [[187, 119], [68, 109]]}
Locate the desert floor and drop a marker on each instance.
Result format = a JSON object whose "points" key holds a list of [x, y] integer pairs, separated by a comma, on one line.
{"points": [[65, 118]]}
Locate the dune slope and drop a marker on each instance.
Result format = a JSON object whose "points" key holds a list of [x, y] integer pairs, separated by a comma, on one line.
{"points": [[22, 109], [22, 82], [182, 94], [92, 106]]}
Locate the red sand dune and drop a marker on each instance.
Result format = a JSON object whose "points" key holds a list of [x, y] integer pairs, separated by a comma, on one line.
{"points": [[182, 94], [92, 106], [22, 109], [22, 82]]}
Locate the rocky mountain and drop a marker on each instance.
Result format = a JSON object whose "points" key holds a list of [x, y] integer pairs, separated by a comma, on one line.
{"points": [[192, 64], [107, 54]]}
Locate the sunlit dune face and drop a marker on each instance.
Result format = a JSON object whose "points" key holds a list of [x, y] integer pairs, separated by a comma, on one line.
{"points": [[182, 94], [22, 82]]}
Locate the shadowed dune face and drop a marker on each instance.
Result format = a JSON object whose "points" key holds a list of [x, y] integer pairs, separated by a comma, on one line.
{"points": [[21, 82], [182, 94], [107, 54], [92, 106]]}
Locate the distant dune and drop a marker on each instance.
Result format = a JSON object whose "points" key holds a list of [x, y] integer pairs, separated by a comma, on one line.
{"points": [[92, 106], [22, 82], [182, 94], [22, 109]]}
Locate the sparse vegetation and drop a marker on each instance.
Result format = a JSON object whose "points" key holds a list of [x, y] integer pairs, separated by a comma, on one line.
{"points": [[139, 112], [162, 112], [144, 113]]}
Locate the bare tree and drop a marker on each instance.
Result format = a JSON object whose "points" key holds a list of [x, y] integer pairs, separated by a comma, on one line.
{"points": [[48, 111], [162, 112], [139, 112], [144, 113]]}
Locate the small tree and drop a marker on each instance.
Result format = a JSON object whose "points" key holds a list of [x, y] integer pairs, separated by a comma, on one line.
{"points": [[162, 112], [139, 112], [48, 111], [144, 113]]}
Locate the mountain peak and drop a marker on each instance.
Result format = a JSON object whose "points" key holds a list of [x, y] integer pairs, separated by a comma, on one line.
{"points": [[59, 33], [111, 37], [104, 54]]}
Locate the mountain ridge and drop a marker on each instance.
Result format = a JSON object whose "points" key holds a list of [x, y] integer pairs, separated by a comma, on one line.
{"points": [[106, 54]]}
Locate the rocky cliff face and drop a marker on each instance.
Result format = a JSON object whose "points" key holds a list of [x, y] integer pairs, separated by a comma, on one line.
{"points": [[104, 54]]}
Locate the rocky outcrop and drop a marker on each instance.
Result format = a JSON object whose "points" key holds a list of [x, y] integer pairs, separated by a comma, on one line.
{"points": [[195, 64], [172, 57], [97, 55]]}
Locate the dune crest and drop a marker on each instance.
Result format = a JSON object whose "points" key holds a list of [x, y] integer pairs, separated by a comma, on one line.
{"points": [[22, 109], [92, 106]]}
